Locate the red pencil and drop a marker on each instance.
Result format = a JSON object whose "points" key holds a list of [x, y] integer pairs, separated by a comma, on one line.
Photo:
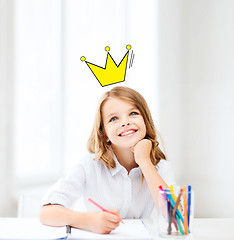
{"points": [[102, 208]]}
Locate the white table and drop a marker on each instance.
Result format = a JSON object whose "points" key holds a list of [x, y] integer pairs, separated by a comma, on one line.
{"points": [[203, 228]]}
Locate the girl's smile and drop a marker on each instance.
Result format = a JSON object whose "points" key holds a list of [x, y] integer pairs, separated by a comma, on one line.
{"points": [[128, 132], [123, 123]]}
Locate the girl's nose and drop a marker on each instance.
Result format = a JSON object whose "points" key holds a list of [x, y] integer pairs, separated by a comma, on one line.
{"points": [[125, 124]]}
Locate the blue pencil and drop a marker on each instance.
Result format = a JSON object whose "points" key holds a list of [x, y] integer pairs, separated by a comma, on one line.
{"points": [[189, 202]]}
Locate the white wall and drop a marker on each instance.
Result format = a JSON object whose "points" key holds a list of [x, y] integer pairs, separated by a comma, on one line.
{"points": [[196, 99]]}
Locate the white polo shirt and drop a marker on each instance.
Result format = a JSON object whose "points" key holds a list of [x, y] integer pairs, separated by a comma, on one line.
{"points": [[111, 188]]}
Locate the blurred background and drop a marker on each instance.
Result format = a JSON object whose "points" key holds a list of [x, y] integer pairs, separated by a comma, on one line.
{"points": [[183, 66]]}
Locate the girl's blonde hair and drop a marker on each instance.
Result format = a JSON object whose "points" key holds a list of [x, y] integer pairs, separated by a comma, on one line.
{"points": [[97, 143]]}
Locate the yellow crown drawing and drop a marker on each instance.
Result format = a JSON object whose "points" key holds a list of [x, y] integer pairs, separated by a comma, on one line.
{"points": [[111, 73]]}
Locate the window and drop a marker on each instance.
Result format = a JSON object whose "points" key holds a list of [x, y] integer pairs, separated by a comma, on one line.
{"points": [[55, 93]]}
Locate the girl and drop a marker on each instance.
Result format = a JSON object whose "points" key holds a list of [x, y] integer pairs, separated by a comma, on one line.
{"points": [[123, 171]]}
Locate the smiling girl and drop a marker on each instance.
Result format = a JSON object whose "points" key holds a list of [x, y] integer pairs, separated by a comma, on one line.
{"points": [[123, 171]]}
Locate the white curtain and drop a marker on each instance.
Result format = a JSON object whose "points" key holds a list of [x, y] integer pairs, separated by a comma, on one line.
{"points": [[38, 91], [7, 206]]}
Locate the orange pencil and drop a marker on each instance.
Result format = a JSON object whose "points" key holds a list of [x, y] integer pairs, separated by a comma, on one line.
{"points": [[185, 210]]}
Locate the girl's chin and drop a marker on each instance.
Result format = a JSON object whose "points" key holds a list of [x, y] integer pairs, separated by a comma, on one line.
{"points": [[125, 146]]}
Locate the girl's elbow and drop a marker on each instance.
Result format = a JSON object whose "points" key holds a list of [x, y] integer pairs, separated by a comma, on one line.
{"points": [[43, 215]]}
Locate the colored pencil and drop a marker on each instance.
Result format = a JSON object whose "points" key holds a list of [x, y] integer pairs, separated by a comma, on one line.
{"points": [[174, 197], [189, 203], [184, 193], [102, 208]]}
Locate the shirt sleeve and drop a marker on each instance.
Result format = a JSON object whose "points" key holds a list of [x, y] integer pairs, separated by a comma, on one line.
{"points": [[67, 190]]}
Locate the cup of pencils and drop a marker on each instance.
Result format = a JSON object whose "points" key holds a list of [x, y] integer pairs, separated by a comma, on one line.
{"points": [[175, 212]]}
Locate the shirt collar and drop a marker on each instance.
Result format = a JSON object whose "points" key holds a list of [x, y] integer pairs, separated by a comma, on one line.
{"points": [[118, 166]]}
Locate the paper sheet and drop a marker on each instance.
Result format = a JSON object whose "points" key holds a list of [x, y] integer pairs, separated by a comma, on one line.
{"points": [[131, 229]]}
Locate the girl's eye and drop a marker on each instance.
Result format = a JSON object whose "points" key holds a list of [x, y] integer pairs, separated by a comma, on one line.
{"points": [[113, 119], [134, 113]]}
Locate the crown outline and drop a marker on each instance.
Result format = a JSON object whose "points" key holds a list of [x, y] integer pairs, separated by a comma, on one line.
{"points": [[111, 73]]}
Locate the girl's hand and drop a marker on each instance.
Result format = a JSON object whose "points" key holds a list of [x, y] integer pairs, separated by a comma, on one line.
{"points": [[142, 151], [104, 222]]}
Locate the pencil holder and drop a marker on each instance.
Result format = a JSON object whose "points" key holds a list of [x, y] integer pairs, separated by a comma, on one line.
{"points": [[175, 213]]}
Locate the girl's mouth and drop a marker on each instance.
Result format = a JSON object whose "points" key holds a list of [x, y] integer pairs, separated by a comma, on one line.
{"points": [[127, 133]]}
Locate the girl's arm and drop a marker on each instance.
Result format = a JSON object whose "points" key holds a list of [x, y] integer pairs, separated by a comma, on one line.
{"points": [[99, 222], [153, 179]]}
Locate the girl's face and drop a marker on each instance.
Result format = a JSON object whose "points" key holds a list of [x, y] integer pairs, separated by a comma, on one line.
{"points": [[123, 123]]}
